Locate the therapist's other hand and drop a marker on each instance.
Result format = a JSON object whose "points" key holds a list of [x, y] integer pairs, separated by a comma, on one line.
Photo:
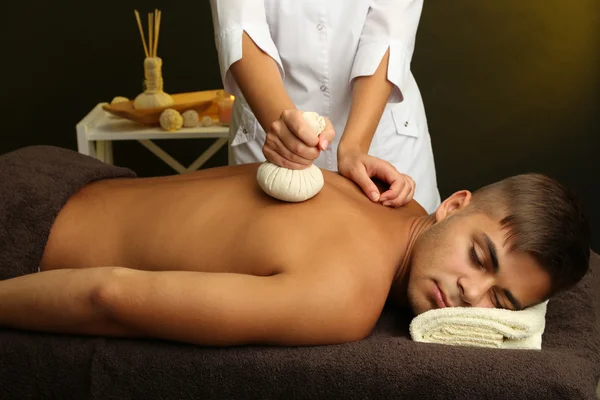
{"points": [[291, 143], [361, 167]]}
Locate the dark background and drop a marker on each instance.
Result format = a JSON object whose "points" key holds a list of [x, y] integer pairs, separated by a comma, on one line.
{"points": [[509, 86]]}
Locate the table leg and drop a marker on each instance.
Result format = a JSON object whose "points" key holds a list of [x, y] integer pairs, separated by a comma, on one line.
{"points": [[229, 153], [100, 151], [88, 148], [163, 155], [85, 146], [204, 157], [108, 151]]}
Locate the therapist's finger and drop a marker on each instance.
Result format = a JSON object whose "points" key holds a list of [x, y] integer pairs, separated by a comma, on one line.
{"points": [[393, 191], [296, 146], [396, 180], [276, 158], [383, 170], [386, 172], [404, 195], [276, 153], [360, 176], [299, 127], [402, 198], [280, 139], [327, 135]]}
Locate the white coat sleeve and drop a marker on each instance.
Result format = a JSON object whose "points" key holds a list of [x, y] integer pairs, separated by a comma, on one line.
{"points": [[389, 24], [230, 19]]}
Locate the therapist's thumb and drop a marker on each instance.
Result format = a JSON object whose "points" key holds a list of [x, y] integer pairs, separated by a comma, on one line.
{"points": [[326, 135]]}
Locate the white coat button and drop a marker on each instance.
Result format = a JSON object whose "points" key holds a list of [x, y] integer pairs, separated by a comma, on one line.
{"points": [[323, 88], [320, 26]]}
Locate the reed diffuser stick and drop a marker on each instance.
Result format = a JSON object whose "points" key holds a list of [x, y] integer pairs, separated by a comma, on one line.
{"points": [[139, 21]]}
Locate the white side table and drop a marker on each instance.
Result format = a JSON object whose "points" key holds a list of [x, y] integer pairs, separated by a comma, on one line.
{"points": [[97, 130]]}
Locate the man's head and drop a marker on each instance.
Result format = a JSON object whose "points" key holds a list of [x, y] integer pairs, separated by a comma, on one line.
{"points": [[512, 244]]}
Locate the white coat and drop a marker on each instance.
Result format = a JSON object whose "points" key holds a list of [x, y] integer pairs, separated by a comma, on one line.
{"points": [[320, 46]]}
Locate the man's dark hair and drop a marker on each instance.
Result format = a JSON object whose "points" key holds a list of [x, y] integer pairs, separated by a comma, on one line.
{"points": [[544, 219]]}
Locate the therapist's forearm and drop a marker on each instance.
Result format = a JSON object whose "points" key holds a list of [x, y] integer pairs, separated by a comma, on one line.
{"points": [[258, 78], [369, 97]]}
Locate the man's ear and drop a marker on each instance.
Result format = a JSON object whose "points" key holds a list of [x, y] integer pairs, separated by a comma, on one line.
{"points": [[456, 202]]}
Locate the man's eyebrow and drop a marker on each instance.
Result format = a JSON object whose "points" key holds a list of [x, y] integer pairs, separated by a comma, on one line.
{"points": [[492, 249], [516, 304]]}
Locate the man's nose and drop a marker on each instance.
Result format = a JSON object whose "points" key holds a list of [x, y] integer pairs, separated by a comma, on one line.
{"points": [[474, 289]]}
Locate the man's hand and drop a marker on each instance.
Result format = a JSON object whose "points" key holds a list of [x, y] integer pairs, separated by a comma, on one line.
{"points": [[361, 167], [291, 143]]}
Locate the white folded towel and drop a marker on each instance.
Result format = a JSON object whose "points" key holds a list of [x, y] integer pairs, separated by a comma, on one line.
{"points": [[482, 327]]}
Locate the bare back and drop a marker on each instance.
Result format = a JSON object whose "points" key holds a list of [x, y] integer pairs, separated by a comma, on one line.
{"points": [[219, 220], [208, 258]]}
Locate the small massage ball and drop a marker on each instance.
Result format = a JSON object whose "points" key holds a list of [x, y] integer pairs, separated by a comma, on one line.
{"points": [[190, 119], [171, 120], [119, 99], [207, 121]]}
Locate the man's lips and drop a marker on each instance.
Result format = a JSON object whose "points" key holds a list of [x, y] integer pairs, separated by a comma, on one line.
{"points": [[439, 296]]}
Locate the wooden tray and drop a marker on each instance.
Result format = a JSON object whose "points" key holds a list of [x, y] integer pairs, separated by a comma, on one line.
{"points": [[202, 102]]}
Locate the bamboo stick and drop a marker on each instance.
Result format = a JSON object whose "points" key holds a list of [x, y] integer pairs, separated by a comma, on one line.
{"points": [[139, 22], [157, 16], [150, 31]]}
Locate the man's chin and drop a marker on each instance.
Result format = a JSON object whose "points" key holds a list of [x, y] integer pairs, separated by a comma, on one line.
{"points": [[421, 310], [420, 305]]}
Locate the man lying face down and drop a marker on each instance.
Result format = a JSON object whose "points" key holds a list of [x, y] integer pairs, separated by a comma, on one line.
{"points": [[208, 258]]}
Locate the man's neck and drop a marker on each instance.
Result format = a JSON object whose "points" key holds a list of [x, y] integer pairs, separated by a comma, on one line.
{"points": [[398, 291]]}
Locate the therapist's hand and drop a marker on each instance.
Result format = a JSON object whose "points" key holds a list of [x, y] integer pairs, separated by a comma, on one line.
{"points": [[291, 143], [361, 167]]}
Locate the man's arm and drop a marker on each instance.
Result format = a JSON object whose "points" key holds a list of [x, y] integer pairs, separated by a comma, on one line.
{"points": [[215, 309]]}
